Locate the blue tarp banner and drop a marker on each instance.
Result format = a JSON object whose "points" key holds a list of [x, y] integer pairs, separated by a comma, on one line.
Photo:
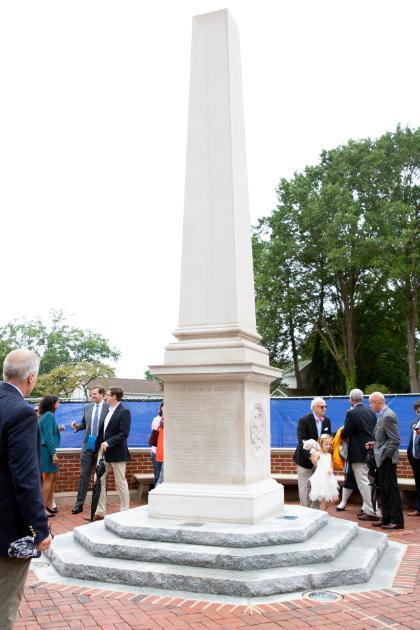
{"points": [[285, 413]]}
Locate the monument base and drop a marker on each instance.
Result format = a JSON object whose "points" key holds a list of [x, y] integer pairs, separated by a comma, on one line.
{"points": [[248, 503]]}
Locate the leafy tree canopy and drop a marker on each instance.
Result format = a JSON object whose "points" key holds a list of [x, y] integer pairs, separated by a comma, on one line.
{"points": [[63, 380], [344, 243], [57, 342]]}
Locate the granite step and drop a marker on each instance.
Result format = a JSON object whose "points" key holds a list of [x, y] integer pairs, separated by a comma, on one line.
{"points": [[295, 524], [323, 546], [353, 566]]}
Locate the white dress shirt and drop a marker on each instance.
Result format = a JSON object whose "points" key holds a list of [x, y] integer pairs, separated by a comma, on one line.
{"points": [[109, 416]]}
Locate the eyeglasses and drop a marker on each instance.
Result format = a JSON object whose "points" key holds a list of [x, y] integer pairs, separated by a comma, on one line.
{"points": [[322, 406]]}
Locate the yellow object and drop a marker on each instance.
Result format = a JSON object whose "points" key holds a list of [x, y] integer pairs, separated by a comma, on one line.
{"points": [[338, 461]]}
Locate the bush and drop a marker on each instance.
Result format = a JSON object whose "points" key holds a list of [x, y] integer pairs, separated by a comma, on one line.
{"points": [[376, 387]]}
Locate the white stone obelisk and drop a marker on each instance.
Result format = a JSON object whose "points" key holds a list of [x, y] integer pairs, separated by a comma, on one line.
{"points": [[216, 375]]}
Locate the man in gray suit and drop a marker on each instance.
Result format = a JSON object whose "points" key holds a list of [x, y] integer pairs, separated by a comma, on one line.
{"points": [[92, 421], [385, 446]]}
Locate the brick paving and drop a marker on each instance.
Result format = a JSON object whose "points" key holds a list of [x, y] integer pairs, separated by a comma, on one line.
{"points": [[67, 606]]}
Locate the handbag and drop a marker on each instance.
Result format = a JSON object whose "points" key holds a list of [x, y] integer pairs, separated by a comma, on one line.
{"points": [[24, 548], [153, 439]]}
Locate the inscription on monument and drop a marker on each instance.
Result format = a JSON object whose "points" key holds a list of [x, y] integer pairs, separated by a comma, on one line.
{"points": [[257, 428], [203, 434]]}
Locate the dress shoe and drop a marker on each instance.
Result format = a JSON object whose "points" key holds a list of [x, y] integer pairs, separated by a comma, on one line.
{"points": [[51, 511], [378, 524], [77, 509], [392, 526], [368, 517], [360, 513], [49, 515], [415, 513], [339, 509], [97, 517]]}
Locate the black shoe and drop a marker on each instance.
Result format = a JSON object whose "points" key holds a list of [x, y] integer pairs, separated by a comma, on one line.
{"points": [[77, 509], [393, 526], [368, 517], [51, 511], [339, 509]]}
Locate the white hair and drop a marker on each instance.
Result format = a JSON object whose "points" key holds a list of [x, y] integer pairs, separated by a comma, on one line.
{"points": [[356, 394], [19, 364], [316, 401]]}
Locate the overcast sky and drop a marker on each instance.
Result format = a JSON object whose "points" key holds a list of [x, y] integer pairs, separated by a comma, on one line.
{"points": [[93, 115]]}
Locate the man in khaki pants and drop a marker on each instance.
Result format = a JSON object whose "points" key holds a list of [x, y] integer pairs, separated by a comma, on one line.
{"points": [[112, 442], [22, 511]]}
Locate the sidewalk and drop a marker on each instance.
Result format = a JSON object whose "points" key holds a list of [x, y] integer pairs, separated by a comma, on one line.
{"points": [[65, 606]]}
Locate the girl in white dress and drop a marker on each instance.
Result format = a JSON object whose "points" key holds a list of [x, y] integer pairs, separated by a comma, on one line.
{"points": [[324, 487]]}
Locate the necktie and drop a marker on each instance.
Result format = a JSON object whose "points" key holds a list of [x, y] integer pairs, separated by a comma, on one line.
{"points": [[95, 421]]}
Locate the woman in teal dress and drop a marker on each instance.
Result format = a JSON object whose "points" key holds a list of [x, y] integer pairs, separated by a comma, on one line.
{"points": [[50, 442]]}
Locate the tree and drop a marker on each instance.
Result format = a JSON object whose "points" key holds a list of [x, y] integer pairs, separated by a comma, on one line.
{"points": [[344, 231], [57, 343], [151, 377], [63, 380], [398, 188]]}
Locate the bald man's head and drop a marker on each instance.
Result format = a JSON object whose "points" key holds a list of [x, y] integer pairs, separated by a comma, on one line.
{"points": [[377, 401]]}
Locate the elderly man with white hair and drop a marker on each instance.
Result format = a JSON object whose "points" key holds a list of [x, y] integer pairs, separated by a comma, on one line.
{"points": [[358, 429], [309, 427], [21, 506]]}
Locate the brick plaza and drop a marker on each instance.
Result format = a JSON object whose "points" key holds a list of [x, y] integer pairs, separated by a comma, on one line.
{"points": [[78, 607]]}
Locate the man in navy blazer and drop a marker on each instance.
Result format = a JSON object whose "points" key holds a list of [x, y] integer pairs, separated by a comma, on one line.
{"points": [[359, 426], [112, 441], [309, 427], [21, 505]]}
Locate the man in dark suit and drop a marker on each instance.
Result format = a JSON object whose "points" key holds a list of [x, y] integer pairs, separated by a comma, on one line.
{"points": [[385, 444], [309, 427], [21, 506], [112, 440], [413, 453], [358, 429], [92, 422]]}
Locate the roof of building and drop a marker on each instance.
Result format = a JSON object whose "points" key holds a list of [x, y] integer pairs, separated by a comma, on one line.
{"points": [[130, 386], [289, 369]]}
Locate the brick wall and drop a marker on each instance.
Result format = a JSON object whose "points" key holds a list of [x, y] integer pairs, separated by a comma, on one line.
{"points": [[68, 478], [69, 461], [282, 462]]}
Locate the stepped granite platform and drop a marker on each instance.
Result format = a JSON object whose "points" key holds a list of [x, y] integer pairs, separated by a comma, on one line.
{"points": [[298, 550]]}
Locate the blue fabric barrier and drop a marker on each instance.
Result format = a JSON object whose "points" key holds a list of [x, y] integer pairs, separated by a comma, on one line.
{"points": [[142, 414], [285, 413]]}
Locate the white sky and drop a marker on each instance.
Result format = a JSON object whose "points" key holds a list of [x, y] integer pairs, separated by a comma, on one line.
{"points": [[93, 114]]}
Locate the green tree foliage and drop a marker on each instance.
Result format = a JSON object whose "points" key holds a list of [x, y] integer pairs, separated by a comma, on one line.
{"points": [[343, 243], [151, 377], [63, 380], [57, 343]]}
